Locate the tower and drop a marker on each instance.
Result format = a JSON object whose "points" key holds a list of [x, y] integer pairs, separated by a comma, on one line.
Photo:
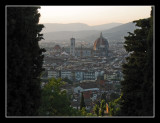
{"points": [[81, 50], [72, 47]]}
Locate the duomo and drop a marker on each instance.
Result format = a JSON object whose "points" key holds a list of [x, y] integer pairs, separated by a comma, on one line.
{"points": [[100, 49]]}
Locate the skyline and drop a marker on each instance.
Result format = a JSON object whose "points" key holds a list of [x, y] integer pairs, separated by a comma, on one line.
{"points": [[92, 15]]}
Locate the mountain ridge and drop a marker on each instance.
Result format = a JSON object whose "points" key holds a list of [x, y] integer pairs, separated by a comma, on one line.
{"points": [[55, 27], [113, 34]]}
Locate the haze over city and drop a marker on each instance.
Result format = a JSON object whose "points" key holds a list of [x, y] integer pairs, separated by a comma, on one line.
{"points": [[92, 15]]}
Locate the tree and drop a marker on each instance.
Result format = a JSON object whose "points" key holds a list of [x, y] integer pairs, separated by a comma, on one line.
{"points": [[148, 72], [103, 96], [114, 96], [96, 109], [67, 80], [114, 107], [83, 111], [55, 101], [82, 103], [99, 108], [102, 108], [138, 77], [24, 60]]}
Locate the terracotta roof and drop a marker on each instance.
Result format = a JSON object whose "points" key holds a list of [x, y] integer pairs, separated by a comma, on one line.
{"points": [[87, 94]]}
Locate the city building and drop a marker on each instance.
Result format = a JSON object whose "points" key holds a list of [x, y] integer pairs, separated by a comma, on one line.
{"points": [[66, 74], [53, 73], [85, 84], [56, 49], [101, 46], [78, 89], [89, 75], [78, 75], [72, 47], [84, 52]]}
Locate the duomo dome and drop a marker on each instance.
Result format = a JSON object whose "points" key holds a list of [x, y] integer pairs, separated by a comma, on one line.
{"points": [[101, 46], [101, 42]]}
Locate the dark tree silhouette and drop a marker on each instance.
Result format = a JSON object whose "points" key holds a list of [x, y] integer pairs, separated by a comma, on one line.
{"points": [[137, 86], [24, 61], [82, 103]]}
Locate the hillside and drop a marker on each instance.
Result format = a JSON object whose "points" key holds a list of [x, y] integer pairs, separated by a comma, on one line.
{"points": [[55, 27], [66, 35], [118, 33], [113, 34]]}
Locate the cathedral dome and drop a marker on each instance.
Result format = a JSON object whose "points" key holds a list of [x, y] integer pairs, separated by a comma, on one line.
{"points": [[101, 42], [57, 47]]}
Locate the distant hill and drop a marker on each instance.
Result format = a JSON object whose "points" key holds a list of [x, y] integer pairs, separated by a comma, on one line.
{"points": [[106, 26], [55, 27], [112, 34], [118, 33], [66, 35]]}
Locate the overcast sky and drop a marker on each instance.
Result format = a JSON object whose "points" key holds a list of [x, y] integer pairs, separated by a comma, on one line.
{"points": [[93, 15]]}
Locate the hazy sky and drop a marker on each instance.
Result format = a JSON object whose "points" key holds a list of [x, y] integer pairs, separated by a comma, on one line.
{"points": [[92, 15]]}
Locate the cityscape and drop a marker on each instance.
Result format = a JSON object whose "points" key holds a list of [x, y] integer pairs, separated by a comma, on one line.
{"points": [[79, 61], [93, 70]]}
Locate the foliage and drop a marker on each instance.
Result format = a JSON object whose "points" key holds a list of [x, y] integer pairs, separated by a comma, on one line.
{"points": [[67, 80], [96, 109], [114, 96], [100, 108], [24, 61], [83, 111], [55, 101], [137, 86], [114, 107], [103, 96], [148, 72], [82, 103]]}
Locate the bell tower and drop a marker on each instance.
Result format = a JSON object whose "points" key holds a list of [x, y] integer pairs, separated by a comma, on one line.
{"points": [[72, 47]]}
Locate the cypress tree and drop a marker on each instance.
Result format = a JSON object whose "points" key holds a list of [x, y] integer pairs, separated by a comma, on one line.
{"points": [[134, 85], [82, 103], [24, 61], [148, 74]]}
